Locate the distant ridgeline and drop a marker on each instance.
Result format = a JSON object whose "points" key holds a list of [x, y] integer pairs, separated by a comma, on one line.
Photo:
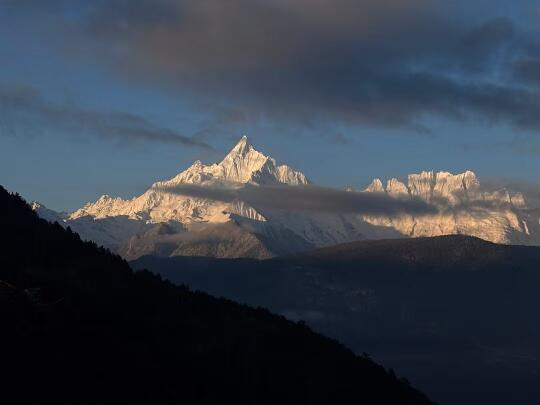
{"points": [[79, 327]]}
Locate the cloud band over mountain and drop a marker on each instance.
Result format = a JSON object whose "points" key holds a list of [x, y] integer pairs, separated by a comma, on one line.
{"points": [[307, 198], [330, 200]]}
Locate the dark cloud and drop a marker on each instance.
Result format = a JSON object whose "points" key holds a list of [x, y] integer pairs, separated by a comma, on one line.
{"points": [[308, 198], [23, 110], [528, 69], [388, 63], [485, 45]]}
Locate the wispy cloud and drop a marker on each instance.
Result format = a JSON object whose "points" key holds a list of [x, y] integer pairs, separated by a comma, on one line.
{"points": [[24, 111]]}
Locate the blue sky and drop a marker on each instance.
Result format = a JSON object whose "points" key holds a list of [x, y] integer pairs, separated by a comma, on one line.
{"points": [[465, 99]]}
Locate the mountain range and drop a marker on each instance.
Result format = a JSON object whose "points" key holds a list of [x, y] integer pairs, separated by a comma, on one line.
{"points": [[164, 223]]}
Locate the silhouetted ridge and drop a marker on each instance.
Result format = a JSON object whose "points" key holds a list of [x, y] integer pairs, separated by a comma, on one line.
{"points": [[80, 327], [440, 251]]}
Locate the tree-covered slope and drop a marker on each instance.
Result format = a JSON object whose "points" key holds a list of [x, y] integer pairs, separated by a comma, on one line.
{"points": [[78, 326]]}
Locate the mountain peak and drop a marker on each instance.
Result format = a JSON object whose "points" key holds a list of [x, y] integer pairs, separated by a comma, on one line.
{"points": [[242, 162], [46, 213], [35, 205], [242, 146]]}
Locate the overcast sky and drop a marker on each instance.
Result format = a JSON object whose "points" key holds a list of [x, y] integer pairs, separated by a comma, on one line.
{"points": [[108, 96]]}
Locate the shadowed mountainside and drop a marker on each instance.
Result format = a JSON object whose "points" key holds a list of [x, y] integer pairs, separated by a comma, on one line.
{"points": [[80, 327], [456, 314], [452, 252]]}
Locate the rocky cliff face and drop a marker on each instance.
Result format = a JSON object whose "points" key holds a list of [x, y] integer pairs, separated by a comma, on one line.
{"points": [[465, 208], [429, 185]]}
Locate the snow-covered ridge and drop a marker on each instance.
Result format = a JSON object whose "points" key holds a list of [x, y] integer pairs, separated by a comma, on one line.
{"points": [[48, 214], [496, 215]]}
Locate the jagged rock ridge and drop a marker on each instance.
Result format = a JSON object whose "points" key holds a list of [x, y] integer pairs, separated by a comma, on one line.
{"points": [[466, 208]]}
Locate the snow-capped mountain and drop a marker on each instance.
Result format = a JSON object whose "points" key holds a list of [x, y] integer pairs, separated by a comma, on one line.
{"points": [[243, 164], [165, 223], [158, 218], [498, 216]]}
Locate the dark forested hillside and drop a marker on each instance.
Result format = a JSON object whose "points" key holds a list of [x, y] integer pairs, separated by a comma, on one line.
{"points": [[449, 252], [456, 314], [78, 326]]}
